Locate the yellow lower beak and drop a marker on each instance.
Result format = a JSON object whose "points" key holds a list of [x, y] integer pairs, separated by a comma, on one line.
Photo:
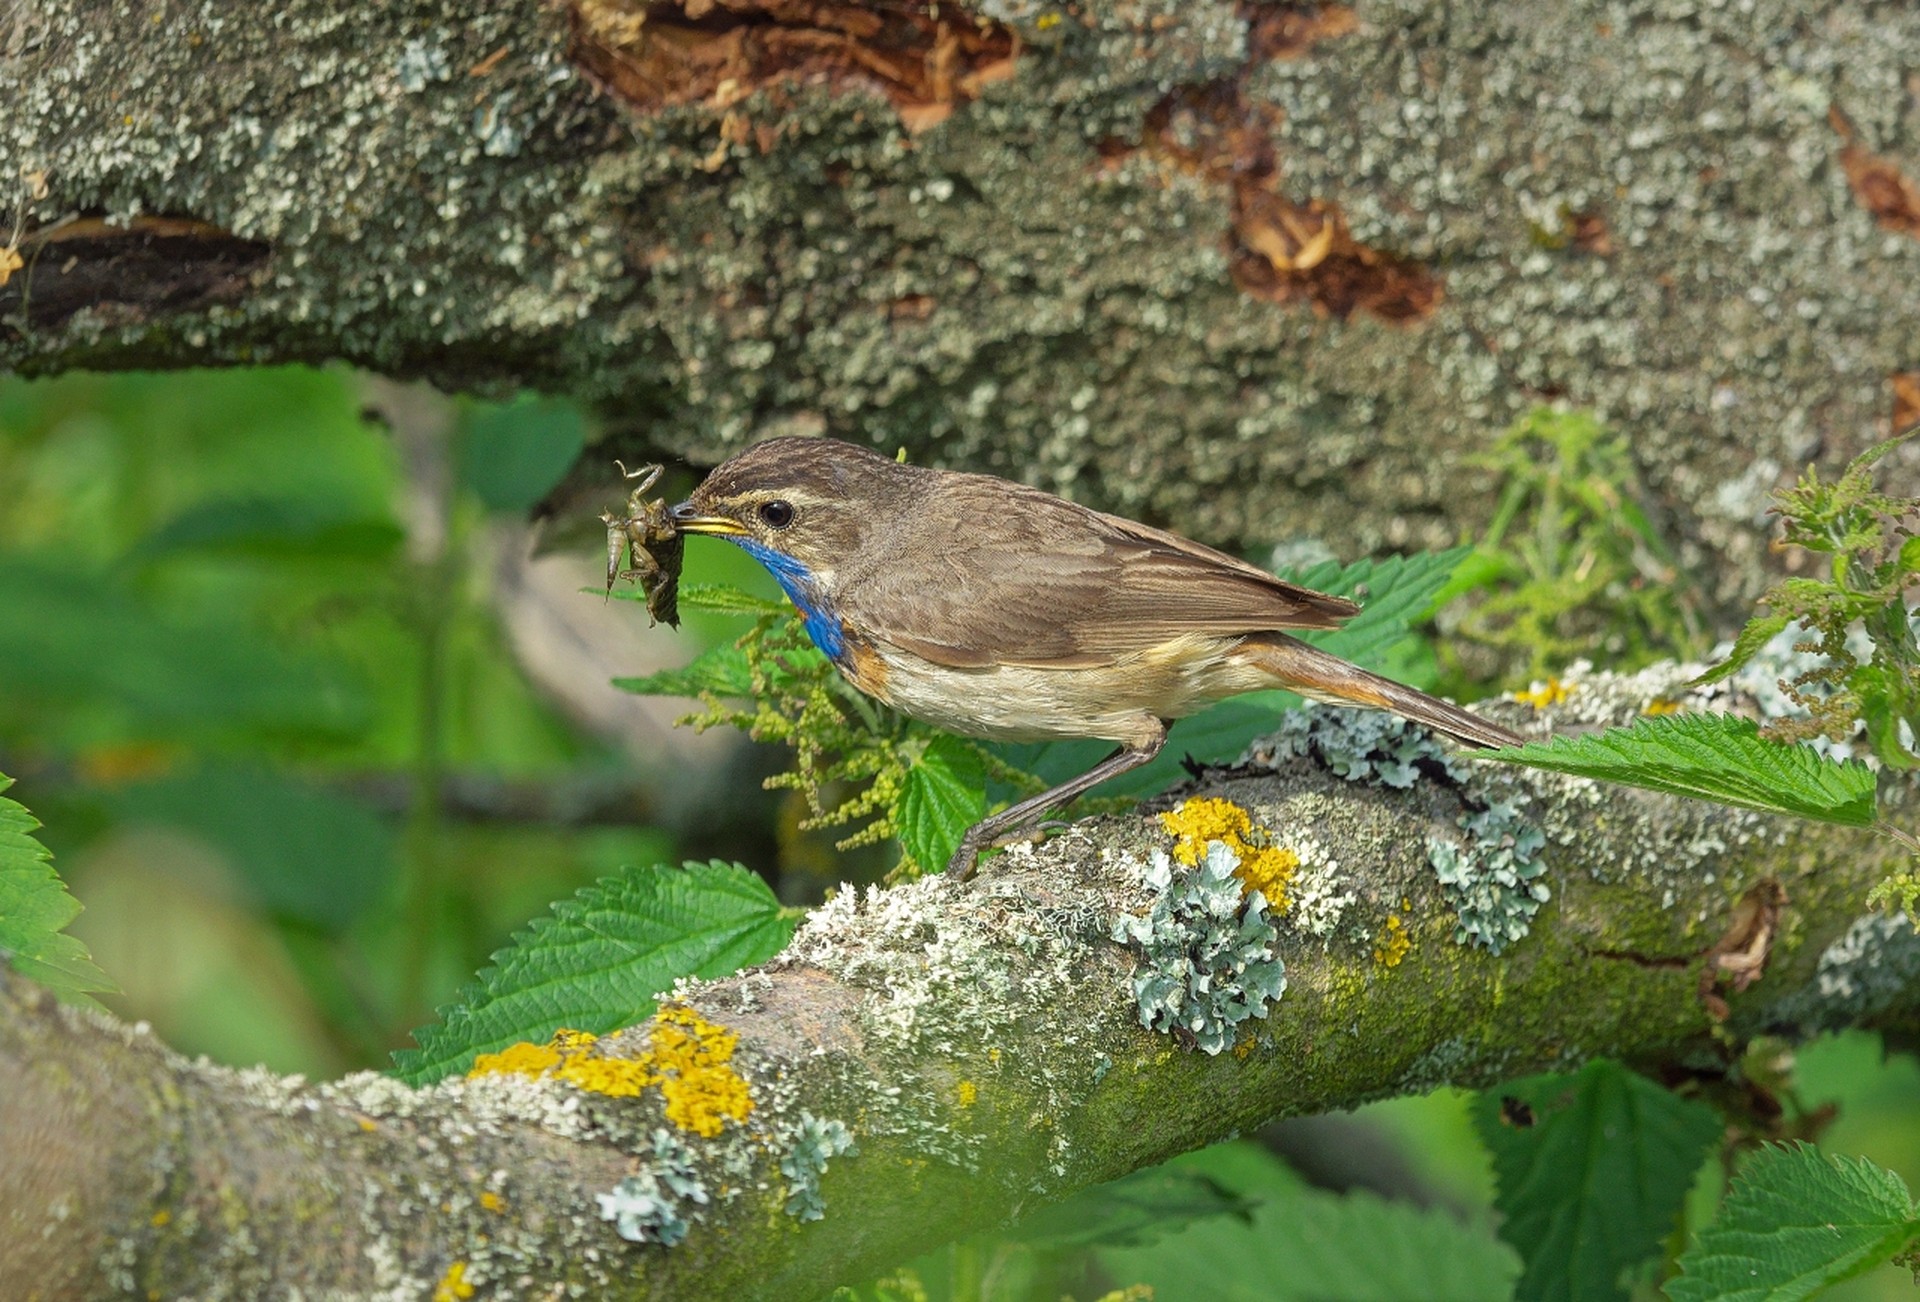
{"points": [[683, 515]]}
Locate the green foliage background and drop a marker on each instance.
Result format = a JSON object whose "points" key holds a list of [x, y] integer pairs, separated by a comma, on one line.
{"points": [[237, 692]]}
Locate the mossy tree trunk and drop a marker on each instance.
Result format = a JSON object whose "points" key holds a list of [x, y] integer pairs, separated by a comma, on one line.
{"points": [[1254, 270], [981, 1044]]}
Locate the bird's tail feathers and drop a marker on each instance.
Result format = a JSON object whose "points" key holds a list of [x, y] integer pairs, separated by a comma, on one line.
{"points": [[1332, 681]]}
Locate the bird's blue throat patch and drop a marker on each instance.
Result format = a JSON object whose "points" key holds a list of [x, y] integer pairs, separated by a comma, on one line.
{"points": [[797, 583]]}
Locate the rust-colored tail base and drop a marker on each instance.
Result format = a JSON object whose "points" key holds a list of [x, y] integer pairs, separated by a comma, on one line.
{"points": [[1332, 681]]}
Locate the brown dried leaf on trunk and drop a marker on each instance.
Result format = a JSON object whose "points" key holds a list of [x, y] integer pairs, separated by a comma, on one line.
{"points": [[1906, 400], [1278, 249], [1880, 186], [1588, 232], [926, 60], [1740, 955], [1290, 31], [1285, 252]]}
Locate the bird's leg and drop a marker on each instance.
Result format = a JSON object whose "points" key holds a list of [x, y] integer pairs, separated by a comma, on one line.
{"points": [[1001, 827]]}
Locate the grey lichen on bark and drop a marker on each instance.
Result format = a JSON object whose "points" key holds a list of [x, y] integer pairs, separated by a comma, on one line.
{"points": [[982, 1045], [1638, 208]]}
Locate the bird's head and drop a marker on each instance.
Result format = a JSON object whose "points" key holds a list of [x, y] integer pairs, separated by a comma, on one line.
{"points": [[808, 500]]}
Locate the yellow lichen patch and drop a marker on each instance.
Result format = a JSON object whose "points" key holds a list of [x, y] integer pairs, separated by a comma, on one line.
{"points": [[687, 1059], [617, 1078], [969, 1093], [1393, 943], [453, 1286], [1196, 822], [1269, 869], [161, 1218], [568, 1056], [1244, 1049], [1541, 695], [522, 1059], [1264, 867], [492, 1201]]}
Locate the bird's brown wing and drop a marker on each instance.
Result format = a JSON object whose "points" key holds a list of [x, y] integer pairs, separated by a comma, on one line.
{"points": [[981, 572]]}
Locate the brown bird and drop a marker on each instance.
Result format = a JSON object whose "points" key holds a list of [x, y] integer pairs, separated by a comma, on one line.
{"points": [[998, 611]]}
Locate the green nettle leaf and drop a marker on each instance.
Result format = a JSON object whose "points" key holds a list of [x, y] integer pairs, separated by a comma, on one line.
{"points": [[720, 598], [1133, 1211], [944, 794], [1590, 1187], [1395, 593], [722, 670], [99, 655], [602, 959], [515, 452], [1795, 1221], [1302, 1245], [1398, 591], [1760, 630], [1712, 757], [35, 910], [278, 528]]}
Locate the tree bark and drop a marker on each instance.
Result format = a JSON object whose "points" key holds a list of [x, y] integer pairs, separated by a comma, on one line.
{"points": [[1252, 270], [981, 1043]]}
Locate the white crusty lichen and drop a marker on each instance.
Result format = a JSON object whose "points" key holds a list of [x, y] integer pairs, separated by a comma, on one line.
{"points": [[658, 1203], [1321, 890], [1492, 880], [1205, 949], [945, 973], [815, 1143]]}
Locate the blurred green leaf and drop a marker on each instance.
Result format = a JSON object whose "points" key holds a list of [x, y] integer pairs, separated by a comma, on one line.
{"points": [[722, 670], [275, 527], [1796, 1220], [35, 910], [302, 852], [1592, 1171], [602, 958], [1718, 757], [1132, 1212], [514, 453], [84, 649], [945, 793], [1399, 591], [1302, 1245]]}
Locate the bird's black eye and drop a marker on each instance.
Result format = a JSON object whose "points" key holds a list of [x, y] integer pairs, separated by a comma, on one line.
{"points": [[777, 514]]}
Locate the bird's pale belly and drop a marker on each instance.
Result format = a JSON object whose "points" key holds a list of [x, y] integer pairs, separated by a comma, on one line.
{"points": [[1117, 702]]}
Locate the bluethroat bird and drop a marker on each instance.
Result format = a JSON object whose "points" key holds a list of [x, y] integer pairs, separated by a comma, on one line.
{"points": [[998, 611]]}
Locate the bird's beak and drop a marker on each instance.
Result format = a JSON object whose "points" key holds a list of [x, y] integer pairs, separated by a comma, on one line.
{"points": [[691, 521]]}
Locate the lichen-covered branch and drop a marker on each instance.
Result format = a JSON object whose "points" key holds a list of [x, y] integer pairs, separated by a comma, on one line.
{"points": [[1254, 269], [926, 1061]]}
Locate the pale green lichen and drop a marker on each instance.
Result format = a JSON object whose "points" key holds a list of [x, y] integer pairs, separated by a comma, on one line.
{"points": [[1359, 745], [814, 1144], [657, 1203], [1206, 958], [1493, 879]]}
